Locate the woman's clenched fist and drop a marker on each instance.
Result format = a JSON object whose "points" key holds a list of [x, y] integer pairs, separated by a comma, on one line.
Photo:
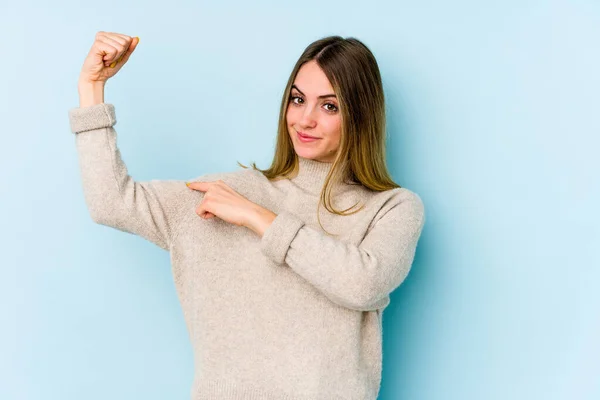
{"points": [[109, 52]]}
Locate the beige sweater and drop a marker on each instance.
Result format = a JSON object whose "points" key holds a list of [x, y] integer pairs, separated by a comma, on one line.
{"points": [[296, 314]]}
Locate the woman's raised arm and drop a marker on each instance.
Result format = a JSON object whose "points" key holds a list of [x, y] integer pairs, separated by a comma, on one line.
{"points": [[150, 209]]}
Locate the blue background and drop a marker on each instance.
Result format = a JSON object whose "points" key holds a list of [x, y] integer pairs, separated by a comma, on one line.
{"points": [[493, 121]]}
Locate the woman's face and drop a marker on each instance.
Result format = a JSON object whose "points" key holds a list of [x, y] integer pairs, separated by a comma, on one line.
{"points": [[313, 109]]}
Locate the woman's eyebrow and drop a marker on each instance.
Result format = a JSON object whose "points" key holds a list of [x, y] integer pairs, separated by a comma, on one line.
{"points": [[320, 97]]}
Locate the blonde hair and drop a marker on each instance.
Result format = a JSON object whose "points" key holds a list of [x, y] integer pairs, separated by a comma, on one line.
{"points": [[360, 159]]}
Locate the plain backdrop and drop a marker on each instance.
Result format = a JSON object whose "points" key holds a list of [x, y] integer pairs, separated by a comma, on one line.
{"points": [[493, 115]]}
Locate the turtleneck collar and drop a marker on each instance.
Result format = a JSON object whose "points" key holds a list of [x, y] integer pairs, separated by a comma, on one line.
{"points": [[311, 174]]}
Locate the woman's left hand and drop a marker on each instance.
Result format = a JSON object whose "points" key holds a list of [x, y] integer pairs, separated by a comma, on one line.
{"points": [[222, 201]]}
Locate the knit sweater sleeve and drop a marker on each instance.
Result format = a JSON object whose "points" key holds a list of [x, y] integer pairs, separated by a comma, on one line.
{"points": [[150, 209], [358, 277]]}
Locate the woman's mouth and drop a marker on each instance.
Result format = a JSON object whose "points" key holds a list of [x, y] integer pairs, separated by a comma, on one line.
{"points": [[305, 138]]}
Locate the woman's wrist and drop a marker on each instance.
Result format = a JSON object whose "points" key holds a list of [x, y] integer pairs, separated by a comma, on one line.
{"points": [[90, 93]]}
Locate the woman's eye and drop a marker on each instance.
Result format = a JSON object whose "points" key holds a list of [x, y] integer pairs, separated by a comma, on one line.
{"points": [[332, 105]]}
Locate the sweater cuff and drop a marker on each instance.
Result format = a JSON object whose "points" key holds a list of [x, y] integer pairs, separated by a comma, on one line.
{"points": [[278, 236], [96, 116]]}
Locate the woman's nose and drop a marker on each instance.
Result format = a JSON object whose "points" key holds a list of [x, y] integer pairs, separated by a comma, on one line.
{"points": [[308, 119]]}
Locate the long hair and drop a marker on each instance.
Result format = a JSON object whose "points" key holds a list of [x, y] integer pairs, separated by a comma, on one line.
{"points": [[360, 159]]}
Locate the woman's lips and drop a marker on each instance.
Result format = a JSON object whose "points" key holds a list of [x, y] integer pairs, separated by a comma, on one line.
{"points": [[306, 139], [305, 135]]}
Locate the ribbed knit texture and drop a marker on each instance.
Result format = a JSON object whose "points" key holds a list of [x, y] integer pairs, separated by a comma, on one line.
{"points": [[294, 315]]}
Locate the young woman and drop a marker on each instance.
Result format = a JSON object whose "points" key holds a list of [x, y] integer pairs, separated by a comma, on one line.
{"points": [[281, 299]]}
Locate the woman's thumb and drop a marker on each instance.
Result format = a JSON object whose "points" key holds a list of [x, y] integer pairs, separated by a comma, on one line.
{"points": [[132, 46]]}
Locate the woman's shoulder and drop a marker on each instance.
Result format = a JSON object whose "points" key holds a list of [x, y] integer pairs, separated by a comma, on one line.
{"points": [[407, 199], [405, 194]]}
